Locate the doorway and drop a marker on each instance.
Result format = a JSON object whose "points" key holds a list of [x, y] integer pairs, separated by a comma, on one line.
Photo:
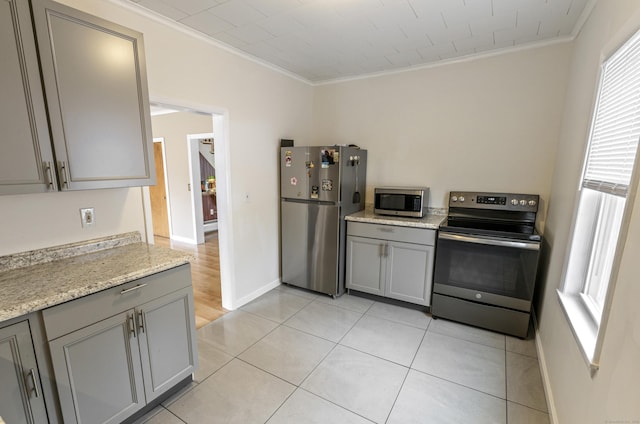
{"points": [[211, 270], [158, 193]]}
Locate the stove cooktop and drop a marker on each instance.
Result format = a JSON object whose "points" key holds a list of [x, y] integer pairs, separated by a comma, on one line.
{"points": [[506, 230]]}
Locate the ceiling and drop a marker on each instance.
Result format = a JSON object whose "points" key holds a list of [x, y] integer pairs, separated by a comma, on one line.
{"points": [[328, 40]]}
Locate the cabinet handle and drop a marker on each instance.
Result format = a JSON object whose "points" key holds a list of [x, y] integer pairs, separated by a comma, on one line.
{"points": [[385, 229], [381, 250], [32, 375], [141, 321], [64, 172], [386, 250], [49, 170], [131, 324], [139, 286]]}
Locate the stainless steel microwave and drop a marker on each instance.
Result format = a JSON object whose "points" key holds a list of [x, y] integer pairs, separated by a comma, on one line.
{"points": [[400, 201]]}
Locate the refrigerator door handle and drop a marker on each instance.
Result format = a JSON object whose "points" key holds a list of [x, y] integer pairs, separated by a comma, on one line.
{"points": [[311, 202]]}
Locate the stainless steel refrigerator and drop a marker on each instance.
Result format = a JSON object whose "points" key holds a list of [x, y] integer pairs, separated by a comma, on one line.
{"points": [[319, 186]]}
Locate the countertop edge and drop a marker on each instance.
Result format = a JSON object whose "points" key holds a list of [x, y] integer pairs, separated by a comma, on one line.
{"points": [[429, 221], [31, 292], [87, 290]]}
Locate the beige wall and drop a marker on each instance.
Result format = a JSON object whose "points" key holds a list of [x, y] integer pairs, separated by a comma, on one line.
{"points": [[612, 395], [488, 124], [174, 128]]}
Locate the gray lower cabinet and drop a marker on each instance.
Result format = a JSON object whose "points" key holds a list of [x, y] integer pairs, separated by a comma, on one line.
{"points": [[21, 395], [98, 372], [115, 366], [391, 261]]}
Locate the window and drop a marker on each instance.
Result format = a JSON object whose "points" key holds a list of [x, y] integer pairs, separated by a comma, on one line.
{"points": [[600, 228]]}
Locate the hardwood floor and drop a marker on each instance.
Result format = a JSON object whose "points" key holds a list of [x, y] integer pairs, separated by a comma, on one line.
{"points": [[205, 274]]}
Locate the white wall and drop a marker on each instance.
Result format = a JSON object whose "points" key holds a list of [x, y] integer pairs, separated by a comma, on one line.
{"points": [[612, 395], [34, 221], [487, 124], [262, 106], [174, 128]]}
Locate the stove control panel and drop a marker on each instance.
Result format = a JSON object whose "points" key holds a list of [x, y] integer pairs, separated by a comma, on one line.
{"points": [[494, 201]]}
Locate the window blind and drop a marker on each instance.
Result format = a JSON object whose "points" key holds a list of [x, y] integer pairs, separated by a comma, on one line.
{"points": [[616, 127]]}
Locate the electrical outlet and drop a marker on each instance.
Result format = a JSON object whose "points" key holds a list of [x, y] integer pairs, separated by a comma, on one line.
{"points": [[87, 217], [210, 211]]}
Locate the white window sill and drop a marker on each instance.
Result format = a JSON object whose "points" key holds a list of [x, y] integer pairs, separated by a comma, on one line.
{"points": [[584, 328]]}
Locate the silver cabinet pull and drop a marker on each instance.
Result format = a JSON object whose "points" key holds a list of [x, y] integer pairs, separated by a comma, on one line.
{"points": [[141, 321], [139, 286], [131, 324], [64, 172], [385, 229], [32, 375], [386, 250], [49, 170]]}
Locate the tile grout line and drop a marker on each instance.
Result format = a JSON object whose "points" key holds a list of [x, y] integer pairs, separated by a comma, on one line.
{"points": [[408, 371], [506, 384]]}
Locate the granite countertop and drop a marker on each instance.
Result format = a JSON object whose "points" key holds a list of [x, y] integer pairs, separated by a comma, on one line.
{"points": [[431, 220], [32, 281]]}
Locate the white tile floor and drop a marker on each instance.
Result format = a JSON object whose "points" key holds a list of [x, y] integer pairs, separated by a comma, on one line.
{"points": [[292, 356]]}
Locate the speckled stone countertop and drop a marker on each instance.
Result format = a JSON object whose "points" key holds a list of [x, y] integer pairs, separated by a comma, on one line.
{"points": [[32, 281], [430, 220]]}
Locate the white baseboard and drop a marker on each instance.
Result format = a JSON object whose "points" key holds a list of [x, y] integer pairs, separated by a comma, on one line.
{"points": [[256, 294], [183, 239], [545, 375], [212, 226]]}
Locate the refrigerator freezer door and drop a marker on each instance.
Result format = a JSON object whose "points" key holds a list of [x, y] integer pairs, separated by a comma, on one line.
{"points": [[310, 173], [310, 245], [324, 180], [294, 173]]}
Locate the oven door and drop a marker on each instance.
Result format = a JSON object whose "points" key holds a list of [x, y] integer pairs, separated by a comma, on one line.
{"points": [[490, 270]]}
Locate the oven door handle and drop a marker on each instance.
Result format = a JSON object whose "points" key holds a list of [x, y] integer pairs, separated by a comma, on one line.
{"points": [[490, 241]]}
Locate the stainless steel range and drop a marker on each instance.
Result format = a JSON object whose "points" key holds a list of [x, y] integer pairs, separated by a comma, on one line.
{"points": [[486, 261]]}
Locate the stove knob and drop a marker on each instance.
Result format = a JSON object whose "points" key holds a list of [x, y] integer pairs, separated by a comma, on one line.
{"points": [[461, 198], [514, 202], [532, 202], [523, 202], [454, 198]]}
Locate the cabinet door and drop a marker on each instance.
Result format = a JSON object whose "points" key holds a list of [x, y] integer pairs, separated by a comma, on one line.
{"points": [[95, 83], [365, 265], [20, 391], [25, 148], [410, 272], [166, 333], [98, 371]]}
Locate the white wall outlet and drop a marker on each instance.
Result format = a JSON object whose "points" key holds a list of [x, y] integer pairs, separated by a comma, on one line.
{"points": [[210, 211], [87, 217]]}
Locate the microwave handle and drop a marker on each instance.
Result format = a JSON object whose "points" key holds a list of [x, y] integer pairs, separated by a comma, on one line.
{"points": [[490, 241]]}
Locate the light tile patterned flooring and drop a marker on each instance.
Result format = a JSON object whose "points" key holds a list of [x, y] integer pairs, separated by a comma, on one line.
{"points": [[292, 356]]}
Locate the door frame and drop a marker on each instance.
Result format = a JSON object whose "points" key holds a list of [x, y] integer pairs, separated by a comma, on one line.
{"points": [[220, 117], [194, 171], [166, 185]]}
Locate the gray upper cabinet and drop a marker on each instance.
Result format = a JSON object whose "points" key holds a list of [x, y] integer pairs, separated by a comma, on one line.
{"points": [[21, 400], [97, 97], [26, 159]]}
